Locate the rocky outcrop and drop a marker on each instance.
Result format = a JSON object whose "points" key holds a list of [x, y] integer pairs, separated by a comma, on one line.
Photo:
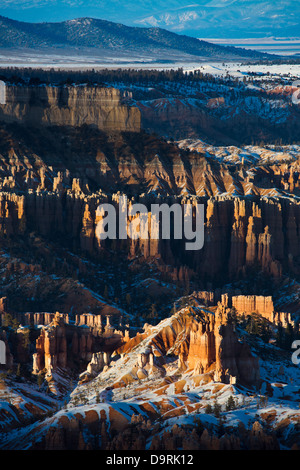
{"points": [[98, 362], [215, 343], [55, 342], [133, 434], [63, 344], [249, 304], [203, 342], [69, 106], [257, 439]]}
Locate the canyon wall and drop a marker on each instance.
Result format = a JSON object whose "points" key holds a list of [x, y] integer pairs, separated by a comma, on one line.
{"points": [[53, 186], [240, 234], [248, 304], [69, 106]]}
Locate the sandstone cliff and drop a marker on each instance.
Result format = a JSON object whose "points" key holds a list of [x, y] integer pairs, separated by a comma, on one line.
{"points": [[69, 106], [239, 234]]}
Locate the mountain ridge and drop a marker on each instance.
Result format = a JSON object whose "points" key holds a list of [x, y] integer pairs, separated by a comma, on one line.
{"points": [[96, 34], [231, 19]]}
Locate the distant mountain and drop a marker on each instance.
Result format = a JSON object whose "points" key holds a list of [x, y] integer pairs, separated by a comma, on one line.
{"points": [[97, 35], [204, 18], [227, 18]]}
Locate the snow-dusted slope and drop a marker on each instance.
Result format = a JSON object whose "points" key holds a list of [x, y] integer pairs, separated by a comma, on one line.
{"points": [[168, 401]]}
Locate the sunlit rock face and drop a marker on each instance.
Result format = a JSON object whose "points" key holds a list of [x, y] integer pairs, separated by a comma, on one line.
{"points": [[69, 106]]}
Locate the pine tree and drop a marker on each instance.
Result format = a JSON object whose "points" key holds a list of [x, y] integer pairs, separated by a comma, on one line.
{"points": [[208, 409], [217, 408], [230, 404], [105, 293], [40, 380]]}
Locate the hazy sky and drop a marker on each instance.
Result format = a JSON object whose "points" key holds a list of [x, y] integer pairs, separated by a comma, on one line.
{"points": [[51, 10], [57, 10]]}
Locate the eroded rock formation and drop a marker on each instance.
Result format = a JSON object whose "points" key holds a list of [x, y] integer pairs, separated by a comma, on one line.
{"points": [[69, 106], [52, 349], [64, 345], [232, 241], [248, 225], [203, 341], [248, 304]]}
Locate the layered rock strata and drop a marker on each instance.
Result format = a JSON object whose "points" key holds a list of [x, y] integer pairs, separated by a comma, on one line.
{"points": [[203, 341], [239, 234], [248, 304], [61, 345], [69, 106]]}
